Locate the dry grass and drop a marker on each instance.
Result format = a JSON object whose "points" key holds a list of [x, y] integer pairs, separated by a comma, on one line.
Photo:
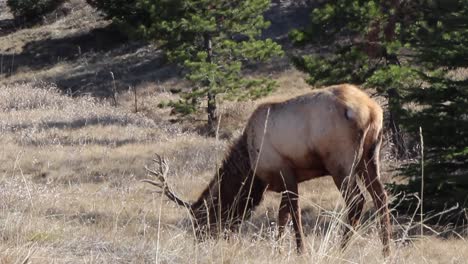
{"points": [[69, 188]]}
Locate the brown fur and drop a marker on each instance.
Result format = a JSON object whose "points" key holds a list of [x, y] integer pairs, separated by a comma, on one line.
{"points": [[333, 131], [232, 193]]}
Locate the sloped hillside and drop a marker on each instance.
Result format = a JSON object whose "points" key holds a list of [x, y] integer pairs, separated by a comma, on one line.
{"points": [[79, 51]]}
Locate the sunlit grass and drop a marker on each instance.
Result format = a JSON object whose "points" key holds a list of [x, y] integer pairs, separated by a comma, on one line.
{"points": [[70, 192]]}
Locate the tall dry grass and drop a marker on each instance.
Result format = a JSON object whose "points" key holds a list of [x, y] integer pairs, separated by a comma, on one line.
{"points": [[70, 192]]}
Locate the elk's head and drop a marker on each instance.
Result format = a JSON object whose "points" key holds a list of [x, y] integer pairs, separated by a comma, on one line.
{"points": [[210, 214]]}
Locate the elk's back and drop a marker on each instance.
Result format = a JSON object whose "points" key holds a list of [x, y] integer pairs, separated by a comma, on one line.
{"points": [[313, 130]]}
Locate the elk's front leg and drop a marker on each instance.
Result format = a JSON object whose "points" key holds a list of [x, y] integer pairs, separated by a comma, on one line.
{"points": [[290, 197], [283, 214]]}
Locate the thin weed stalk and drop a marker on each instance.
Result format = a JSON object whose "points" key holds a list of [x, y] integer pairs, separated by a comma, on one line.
{"points": [[422, 181]]}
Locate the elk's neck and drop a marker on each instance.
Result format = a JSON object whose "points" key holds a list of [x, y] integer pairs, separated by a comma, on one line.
{"points": [[233, 192]]}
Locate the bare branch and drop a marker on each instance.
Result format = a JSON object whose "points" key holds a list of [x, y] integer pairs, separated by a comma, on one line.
{"points": [[161, 177]]}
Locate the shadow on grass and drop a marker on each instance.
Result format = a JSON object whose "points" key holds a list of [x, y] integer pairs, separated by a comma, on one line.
{"points": [[47, 52], [74, 124], [7, 26], [91, 56]]}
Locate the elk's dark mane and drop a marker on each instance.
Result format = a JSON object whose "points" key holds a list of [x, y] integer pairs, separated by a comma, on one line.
{"points": [[232, 193]]}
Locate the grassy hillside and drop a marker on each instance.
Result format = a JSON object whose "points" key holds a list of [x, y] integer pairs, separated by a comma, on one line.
{"points": [[70, 165], [70, 192]]}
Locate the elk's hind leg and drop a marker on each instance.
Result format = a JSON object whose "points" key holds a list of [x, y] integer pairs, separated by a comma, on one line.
{"points": [[354, 200], [342, 168], [371, 177]]}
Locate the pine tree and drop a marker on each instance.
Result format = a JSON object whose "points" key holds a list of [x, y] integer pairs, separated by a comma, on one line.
{"points": [[127, 15], [213, 40], [439, 41], [414, 52]]}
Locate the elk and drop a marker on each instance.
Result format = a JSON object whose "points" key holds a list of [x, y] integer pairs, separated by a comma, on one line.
{"points": [[333, 131]]}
